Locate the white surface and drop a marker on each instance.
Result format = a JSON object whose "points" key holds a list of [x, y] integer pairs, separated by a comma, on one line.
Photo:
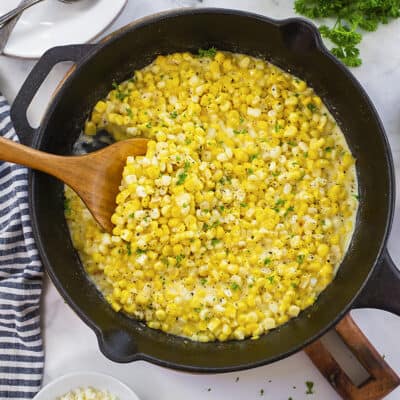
{"points": [[71, 346], [53, 23], [73, 381]]}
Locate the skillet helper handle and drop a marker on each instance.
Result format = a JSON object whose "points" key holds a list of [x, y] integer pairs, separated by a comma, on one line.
{"points": [[383, 379], [382, 290], [35, 80]]}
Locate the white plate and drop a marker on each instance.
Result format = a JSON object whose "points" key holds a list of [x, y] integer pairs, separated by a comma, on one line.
{"points": [[66, 383], [53, 23]]}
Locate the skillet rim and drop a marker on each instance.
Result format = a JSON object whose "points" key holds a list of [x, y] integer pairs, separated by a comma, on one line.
{"points": [[156, 18]]}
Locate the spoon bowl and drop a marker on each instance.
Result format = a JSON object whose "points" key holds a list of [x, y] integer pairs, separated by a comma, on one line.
{"points": [[95, 177]]}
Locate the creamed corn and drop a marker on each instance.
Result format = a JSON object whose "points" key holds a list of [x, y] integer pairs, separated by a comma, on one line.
{"points": [[241, 210]]}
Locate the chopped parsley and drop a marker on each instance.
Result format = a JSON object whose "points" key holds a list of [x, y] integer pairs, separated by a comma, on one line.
{"points": [[148, 125], [250, 171], [243, 205], [165, 261], [294, 285], [235, 286], [67, 206], [300, 258], [211, 52], [271, 279], [221, 208], [278, 204], [131, 215], [240, 132], [173, 115], [267, 261], [277, 173], [252, 157], [203, 281], [277, 128], [179, 259], [356, 196], [129, 112], [119, 94], [310, 387], [140, 251], [128, 249], [182, 176], [290, 209], [215, 241], [312, 107], [328, 149]]}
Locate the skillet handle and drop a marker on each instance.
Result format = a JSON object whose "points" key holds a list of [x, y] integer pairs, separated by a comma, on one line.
{"points": [[382, 290], [35, 80]]}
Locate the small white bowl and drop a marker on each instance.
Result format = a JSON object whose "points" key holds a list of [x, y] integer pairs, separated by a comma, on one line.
{"points": [[66, 383]]}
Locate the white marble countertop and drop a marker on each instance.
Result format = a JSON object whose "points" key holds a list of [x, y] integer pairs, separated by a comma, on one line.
{"points": [[71, 346]]}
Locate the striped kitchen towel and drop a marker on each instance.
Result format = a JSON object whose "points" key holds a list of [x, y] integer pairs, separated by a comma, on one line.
{"points": [[21, 350]]}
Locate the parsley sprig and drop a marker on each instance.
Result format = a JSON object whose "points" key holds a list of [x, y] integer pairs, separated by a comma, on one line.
{"points": [[352, 17]]}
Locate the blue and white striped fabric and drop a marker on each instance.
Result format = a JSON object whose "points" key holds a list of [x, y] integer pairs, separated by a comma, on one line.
{"points": [[21, 350]]}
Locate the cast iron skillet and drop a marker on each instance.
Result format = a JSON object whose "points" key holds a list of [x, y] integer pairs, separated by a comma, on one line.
{"points": [[367, 277]]}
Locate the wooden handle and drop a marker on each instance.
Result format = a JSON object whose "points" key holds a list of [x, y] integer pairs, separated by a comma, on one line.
{"points": [[19, 154], [382, 377]]}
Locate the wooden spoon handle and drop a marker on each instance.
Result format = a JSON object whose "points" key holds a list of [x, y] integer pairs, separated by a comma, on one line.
{"points": [[24, 155]]}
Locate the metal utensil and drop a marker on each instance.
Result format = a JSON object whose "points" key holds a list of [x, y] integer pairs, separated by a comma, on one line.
{"points": [[26, 4], [7, 28]]}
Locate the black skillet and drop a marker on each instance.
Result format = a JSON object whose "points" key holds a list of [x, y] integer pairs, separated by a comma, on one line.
{"points": [[367, 277]]}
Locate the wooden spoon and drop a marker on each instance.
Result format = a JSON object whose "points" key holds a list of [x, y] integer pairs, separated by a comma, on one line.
{"points": [[95, 177]]}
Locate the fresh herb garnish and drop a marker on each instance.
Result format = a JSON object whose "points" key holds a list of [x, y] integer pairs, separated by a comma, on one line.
{"points": [[67, 206], [243, 205], [350, 17], [140, 251], [328, 149], [203, 281], [271, 279], [215, 241], [300, 258], [252, 157], [312, 107], [310, 386], [277, 128], [128, 249], [211, 52], [182, 176], [173, 115], [239, 132], [179, 259], [250, 171], [290, 209], [148, 125], [267, 261], [235, 286], [356, 196]]}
